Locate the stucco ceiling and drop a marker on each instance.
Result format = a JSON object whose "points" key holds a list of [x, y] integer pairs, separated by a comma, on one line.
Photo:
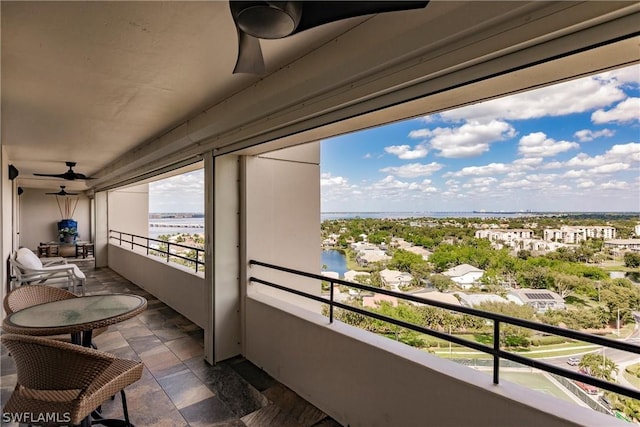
{"points": [[121, 87], [89, 81]]}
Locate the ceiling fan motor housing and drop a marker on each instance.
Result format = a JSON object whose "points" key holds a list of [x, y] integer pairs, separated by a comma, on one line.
{"points": [[268, 20]]}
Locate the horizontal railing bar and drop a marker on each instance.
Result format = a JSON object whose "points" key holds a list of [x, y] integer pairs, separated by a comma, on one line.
{"points": [[577, 376], [417, 328], [568, 333], [168, 253]]}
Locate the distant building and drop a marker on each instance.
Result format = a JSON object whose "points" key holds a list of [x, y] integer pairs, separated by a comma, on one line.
{"points": [[504, 235], [394, 278], [377, 299], [540, 299], [350, 276], [436, 296], [464, 275], [419, 250], [622, 245], [576, 234], [366, 257], [474, 300]]}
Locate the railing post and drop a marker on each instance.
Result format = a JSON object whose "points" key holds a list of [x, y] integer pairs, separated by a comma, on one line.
{"points": [[131, 241], [496, 349], [168, 250], [119, 238], [330, 301], [147, 246]]}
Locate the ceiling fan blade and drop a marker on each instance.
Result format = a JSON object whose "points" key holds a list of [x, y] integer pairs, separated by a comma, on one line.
{"points": [[52, 175], [63, 193], [315, 13], [249, 55], [82, 176]]}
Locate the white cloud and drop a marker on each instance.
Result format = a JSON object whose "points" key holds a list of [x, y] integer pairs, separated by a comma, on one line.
{"points": [[538, 145], [484, 182], [614, 185], [622, 75], [626, 111], [180, 193], [586, 184], [413, 170], [469, 140], [420, 133], [575, 173], [406, 153], [585, 135], [620, 153], [610, 168], [528, 162], [327, 180], [576, 96], [490, 169]]}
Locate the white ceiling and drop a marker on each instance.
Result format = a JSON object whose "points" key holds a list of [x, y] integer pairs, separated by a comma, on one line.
{"points": [[125, 87]]}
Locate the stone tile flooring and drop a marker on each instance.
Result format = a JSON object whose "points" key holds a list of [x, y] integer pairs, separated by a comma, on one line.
{"points": [[178, 388]]}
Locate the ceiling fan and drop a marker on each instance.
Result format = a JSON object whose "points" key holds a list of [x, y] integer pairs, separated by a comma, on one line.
{"points": [[63, 192], [278, 19], [68, 175]]}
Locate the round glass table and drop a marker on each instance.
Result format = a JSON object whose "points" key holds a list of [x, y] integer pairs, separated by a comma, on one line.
{"points": [[74, 316]]}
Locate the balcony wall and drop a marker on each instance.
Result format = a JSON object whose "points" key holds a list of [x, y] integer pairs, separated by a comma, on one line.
{"points": [[39, 216], [177, 286], [361, 379]]}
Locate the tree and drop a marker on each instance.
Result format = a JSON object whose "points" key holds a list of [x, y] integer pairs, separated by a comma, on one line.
{"points": [[510, 335], [632, 260], [598, 366], [441, 282], [565, 283], [404, 261], [537, 278]]}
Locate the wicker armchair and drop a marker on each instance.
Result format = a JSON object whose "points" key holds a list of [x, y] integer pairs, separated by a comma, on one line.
{"points": [[26, 296], [64, 383]]}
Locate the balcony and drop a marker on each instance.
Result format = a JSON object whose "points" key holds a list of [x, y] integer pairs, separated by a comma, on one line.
{"points": [[177, 387]]}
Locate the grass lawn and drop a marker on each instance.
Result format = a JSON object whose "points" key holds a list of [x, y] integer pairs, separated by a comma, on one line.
{"points": [[632, 379], [550, 350], [535, 381]]}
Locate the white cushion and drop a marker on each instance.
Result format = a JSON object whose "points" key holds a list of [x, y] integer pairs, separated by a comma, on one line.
{"points": [[28, 259]]}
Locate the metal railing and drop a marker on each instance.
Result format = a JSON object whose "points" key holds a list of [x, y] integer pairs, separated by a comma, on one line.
{"points": [[163, 247], [498, 319]]}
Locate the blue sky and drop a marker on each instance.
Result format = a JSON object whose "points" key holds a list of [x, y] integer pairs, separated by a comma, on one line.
{"points": [[574, 146], [569, 147]]}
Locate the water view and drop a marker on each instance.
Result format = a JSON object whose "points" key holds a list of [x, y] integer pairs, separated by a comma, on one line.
{"points": [[334, 261]]}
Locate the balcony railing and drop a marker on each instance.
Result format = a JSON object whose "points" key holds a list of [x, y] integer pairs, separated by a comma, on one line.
{"points": [[498, 320], [158, 247]]}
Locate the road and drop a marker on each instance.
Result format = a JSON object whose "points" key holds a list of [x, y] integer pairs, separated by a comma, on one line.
{"points": [[619, 357]]}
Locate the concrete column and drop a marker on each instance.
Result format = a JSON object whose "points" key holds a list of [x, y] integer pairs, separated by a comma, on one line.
{"points": [[282, 224], [101, 221], [222, 340]]}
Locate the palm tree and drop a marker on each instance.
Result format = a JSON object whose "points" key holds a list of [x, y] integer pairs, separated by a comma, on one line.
{"points": [[598, 366]]}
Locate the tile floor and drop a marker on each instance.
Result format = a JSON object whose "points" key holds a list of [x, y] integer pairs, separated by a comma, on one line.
{"points": [[178, 388]]}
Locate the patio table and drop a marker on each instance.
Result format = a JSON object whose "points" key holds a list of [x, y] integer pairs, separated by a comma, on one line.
{"points": [[75, 316]]}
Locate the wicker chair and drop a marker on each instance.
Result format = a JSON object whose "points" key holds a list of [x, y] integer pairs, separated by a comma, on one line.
{"points": [[26, 296], [64, 383]]}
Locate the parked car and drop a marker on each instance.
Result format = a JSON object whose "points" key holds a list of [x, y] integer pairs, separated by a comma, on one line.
{"points": [[573, 361], [587, 388], [605, 402]]}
